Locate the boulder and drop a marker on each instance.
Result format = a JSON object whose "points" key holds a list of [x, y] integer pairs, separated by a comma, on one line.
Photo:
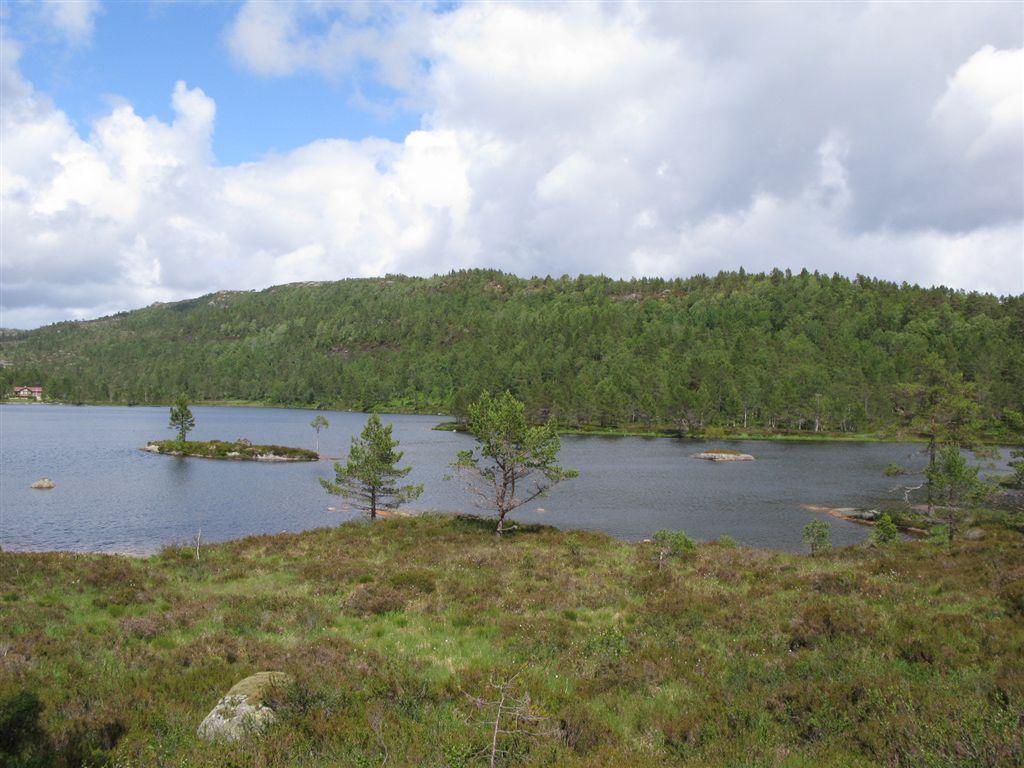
{"points": [[44, 483], [974, 534], [246, 709]]}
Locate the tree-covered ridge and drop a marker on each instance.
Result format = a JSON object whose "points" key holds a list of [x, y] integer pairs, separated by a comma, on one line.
{"points": [[769, 351]]}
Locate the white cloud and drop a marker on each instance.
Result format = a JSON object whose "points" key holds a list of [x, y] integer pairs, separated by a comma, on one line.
{"points": [[634, 139], [332, 38], [980, 113], [74, 20]]}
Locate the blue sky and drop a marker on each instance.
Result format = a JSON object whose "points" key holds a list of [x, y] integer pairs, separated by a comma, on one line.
{"points": [[161, 151], [139, 50]]}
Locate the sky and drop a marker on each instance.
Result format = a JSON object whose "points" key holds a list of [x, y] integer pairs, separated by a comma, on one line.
{"points": [[159, 151]]}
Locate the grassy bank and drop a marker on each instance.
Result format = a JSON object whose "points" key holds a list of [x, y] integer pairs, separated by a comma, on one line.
{"points": [[396, 632]]}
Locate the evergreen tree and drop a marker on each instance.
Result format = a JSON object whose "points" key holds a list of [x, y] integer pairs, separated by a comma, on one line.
{"points": [[181, 418], [509, 453], [944, 409], [371, 470], [319, 422], [955, 483]]}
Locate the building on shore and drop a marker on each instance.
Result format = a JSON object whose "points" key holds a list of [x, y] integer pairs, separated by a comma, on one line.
{"points": [[29, 393]]}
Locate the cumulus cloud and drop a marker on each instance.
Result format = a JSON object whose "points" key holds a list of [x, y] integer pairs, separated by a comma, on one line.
{"points": [[74, 20], [633, 139], [334, 39]]}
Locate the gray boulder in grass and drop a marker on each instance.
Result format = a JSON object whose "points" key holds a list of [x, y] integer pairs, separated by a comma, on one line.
{"points": [[246, 709]]}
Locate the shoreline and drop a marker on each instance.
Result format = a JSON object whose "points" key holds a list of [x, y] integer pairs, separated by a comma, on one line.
{"points": [[571, 430], [487, 521]]}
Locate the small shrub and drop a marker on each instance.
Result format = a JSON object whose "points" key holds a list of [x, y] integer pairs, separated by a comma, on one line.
{"points": [[572, 543], [895, 470], [23, 742], [374, 600], [87, 742], [885, 531], [826, 621], [672, 544], [420, 581], [683, 732], [726, 542], [816, 537], [1012, 596], [143, 627], [916, 649], [581, 731]]}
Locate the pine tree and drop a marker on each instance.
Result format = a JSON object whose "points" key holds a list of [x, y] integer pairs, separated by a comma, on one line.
{"points": [[369, 475], [508, 452], [955, 482], [319, 422], [182, 418]]}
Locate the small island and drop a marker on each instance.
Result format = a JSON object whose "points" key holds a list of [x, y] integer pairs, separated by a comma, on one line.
{"points": [[183, 422], [240, 450], [723, 454]]}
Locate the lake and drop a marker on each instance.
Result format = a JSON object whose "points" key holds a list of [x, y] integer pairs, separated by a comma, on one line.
{"points": [[112, 497]]}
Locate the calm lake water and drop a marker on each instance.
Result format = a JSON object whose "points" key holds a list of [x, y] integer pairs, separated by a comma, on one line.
{"points": [[110, 496]]}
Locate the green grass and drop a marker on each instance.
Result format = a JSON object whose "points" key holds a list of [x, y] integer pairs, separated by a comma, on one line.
{"points": [[395, 631]]}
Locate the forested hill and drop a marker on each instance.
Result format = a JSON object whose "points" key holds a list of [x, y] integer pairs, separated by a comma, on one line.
{"points": [[780, 351]]}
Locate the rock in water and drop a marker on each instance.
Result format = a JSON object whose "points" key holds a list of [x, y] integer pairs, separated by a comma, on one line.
{"points": [[246, 709], [44, 483], [723, 456]]}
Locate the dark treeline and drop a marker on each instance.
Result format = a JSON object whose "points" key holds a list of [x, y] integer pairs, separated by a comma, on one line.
{"points": [[772, 352]]}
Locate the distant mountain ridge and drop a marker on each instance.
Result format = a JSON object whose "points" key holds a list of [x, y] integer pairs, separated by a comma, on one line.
{"points": [[767, 351]]}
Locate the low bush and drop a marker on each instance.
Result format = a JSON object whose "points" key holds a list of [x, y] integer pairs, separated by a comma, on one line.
{"points": [[374, 599]]}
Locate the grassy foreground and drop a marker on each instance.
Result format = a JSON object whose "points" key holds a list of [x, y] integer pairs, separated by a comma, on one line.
{"points": [[397, 633]]}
